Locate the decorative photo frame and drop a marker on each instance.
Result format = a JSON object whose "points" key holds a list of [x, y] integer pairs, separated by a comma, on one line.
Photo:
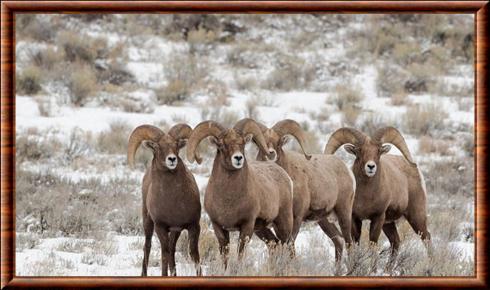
{"points": [[8, 142]]}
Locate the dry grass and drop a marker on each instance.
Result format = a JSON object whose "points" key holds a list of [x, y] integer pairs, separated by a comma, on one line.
{"points": [[28, 81], [424, 119], [429, 145], [346, 95], [82, 84], [185, 74], [114, 140]]}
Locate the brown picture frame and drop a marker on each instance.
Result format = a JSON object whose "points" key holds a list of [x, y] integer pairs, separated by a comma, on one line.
{"points": [[8, 10]]}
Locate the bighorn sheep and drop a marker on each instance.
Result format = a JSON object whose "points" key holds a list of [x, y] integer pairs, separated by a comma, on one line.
{"points": [[388, 186], [242, 195], [170, 194], [323, 185]]}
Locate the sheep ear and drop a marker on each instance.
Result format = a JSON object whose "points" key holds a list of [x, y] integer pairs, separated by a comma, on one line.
{"points": [[385, 149], [153, 146], [181, 143], [248, 138], [284, 140], [350, 149]]}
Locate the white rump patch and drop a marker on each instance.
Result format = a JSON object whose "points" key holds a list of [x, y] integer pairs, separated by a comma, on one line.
{"points": [[422, 180]]}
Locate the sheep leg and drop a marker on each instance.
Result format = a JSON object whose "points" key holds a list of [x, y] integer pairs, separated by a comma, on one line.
{"points": [[345, 221], [162, 234], [148, 229], [174, 237], [419, 225], [356, 229], [283, 227], [268, 237], [392, 234], [194, 232], [375, 228], [223, 237], [246, 232], [334, 234]]}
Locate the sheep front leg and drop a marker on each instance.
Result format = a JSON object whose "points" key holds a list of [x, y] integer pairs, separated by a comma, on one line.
{"points": [[223, 237], [162, 233], [194, 232], [335, 235], [356, 229], [174, 237], [375, 228], [148, 228], [246, 232]]}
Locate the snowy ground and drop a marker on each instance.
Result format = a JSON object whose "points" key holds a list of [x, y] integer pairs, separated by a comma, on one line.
{"points": [[119, 252]]}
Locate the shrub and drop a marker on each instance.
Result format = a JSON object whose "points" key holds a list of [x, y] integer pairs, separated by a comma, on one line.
{"points": [[350, 114], [28, 81], [76, 48], [185, 74], [47, 58], [82, 83], [114, 140], [25, 241], [290, 73], [400, 99], [82, 48], [424, 119], [36, 27], [421, 77], [390, 80], [35, 148], [175, 91], [430, 145], [347, 95], [115, 74]]}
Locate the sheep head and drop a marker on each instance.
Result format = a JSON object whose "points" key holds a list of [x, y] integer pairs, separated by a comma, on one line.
{"points": [[368, 150], [165, 147], [279, 135], [230, 143]]}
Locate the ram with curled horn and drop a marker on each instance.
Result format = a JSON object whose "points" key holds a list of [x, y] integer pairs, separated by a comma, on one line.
{"points": [[242, 195], [170, 194], [388, 186], [323, 186]]}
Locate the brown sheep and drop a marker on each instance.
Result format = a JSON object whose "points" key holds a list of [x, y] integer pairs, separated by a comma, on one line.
{"points": [[170, 194], [323, 185], [388, 186], [242, 195]]}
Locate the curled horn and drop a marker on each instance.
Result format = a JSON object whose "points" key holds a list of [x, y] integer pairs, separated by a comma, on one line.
{"points": [[180, 131], [343, 136], [291, 127], [249, 126], [393, 136], [202, 130], [141, 133]]}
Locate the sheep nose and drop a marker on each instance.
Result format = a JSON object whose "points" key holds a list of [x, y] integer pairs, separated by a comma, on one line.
{"points": [[371, 166], [238, 158], [272, 154], [172, 159]]}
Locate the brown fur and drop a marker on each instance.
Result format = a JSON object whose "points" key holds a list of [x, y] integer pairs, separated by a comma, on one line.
{"points": [[322, 185], [247, 199], [170, 205]]}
